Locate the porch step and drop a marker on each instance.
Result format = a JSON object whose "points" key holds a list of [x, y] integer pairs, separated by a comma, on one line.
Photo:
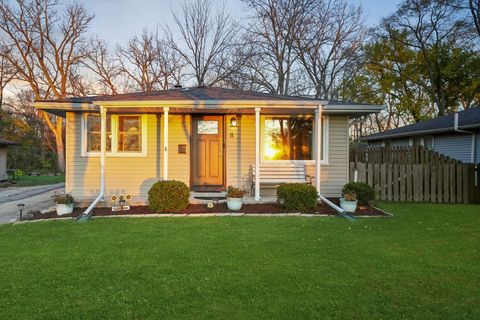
{"points": [[198, 197]]}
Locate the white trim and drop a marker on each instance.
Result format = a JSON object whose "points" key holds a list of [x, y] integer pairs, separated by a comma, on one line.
{"points": [[257, 154], [318, 143], [325, 135], [165, 143], [114, 130]]}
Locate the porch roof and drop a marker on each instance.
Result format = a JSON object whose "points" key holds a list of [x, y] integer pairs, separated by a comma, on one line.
{"points": [[204, 99]]}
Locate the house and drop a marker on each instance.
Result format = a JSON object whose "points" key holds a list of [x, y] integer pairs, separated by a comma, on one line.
{"points": [[3, 157], [456, 135], [207, 137]]}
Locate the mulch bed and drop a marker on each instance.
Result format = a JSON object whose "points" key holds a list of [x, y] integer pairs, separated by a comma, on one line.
{"points": [[266, 208]]}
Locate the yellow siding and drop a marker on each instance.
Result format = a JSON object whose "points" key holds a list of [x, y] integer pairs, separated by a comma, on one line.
{"points": [[132, 175], [335, 173], [178, 133], [135, 175], [240, 144]]}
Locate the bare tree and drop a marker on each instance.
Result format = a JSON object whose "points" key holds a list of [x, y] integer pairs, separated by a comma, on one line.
{"points": [[46, 48], [274, 26], [150, 63], [207, 41], [474, 6], [7, 72], [105, 67], [330, 44]]}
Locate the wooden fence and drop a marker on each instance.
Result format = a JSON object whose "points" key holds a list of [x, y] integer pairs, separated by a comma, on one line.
{"points": [[415, 174]]}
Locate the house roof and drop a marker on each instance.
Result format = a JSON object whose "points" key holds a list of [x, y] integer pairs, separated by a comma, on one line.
{"points": [[4, 142], [467, 119], [195, 93], [200, 98]]}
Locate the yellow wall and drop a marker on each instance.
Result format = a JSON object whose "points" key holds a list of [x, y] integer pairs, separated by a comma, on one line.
{"points": [[135, 175]]}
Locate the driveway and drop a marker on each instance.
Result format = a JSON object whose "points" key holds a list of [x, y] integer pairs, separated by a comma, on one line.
{"points": [[34, 198]]}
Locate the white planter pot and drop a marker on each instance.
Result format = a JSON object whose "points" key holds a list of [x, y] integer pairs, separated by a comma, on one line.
{"points": [[348, 206], [234, 204], [63, 209]]}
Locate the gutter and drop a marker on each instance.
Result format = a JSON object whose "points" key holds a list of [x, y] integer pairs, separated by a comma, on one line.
{"points": [[86, 215]]}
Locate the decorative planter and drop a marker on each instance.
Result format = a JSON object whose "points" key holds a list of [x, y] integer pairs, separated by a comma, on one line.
{"points": [[63, 209], [348, 206], [234, 204]]}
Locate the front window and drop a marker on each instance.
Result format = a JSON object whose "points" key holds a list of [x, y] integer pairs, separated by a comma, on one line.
{"points": [[129, 133], [125, 134], [93, 133], [289, 138]]}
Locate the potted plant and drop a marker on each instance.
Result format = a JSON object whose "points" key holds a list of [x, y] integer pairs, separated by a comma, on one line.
{"points": [[235, 198], [64, 202], [349, 201]]}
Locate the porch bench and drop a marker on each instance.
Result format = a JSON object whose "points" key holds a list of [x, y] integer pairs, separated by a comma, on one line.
{"points": [[275, 174]]}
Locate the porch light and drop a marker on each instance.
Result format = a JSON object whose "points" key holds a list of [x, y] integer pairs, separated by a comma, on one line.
{"points": [[233, 122]]}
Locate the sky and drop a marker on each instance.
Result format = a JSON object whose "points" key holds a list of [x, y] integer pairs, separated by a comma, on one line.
{"points": [[119, 20]]}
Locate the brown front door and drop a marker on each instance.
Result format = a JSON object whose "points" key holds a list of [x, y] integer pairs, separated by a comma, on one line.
{"points": [[207, 152]]}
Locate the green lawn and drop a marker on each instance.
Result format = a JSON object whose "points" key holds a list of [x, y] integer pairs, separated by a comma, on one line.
{"points": [[422, 264], [28, 181]]}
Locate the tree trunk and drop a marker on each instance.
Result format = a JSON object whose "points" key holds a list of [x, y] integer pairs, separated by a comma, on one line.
{"points": [[60, 146]]}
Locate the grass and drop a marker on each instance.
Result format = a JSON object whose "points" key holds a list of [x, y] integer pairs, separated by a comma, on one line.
{"points": [[28, 181], [422, 264]]}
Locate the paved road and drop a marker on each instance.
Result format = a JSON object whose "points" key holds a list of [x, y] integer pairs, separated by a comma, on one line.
{"points": [[34, 198]]}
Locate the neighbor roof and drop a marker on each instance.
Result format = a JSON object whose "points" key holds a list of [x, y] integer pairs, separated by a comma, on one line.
{"points": [[467, 119]]}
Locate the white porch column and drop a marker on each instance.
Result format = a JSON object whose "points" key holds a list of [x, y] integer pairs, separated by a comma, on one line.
{"points": [[257, 154], [165, 143], [103, 148], [318, 147]]}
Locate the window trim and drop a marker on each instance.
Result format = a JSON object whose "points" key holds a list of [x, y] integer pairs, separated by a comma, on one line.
{"points": [[114, 129], [325, 136]]}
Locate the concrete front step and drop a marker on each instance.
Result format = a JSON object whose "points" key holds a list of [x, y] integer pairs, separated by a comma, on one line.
{"points": [[206, 197]]}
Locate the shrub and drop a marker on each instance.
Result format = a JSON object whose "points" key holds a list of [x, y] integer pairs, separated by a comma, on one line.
{"points": [[297, 197], [364, 192], [61, 198], [233, 192], [168, 196]]}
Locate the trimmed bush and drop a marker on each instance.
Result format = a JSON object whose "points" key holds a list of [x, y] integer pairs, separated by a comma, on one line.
{"points": [[365, 193], [297, 197], [168, 196]]}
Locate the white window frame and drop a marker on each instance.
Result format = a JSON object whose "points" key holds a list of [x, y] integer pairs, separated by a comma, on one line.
{"points": [[325, 137], [114, 129]]}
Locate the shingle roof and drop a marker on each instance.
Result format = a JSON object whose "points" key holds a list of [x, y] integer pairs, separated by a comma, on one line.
{"points": [[195, 93], [469, 118], [4, 142]]}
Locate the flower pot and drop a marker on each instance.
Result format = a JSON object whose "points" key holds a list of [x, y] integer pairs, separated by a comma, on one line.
{"points": [[234, 204], [348, 206], [63, 209]]}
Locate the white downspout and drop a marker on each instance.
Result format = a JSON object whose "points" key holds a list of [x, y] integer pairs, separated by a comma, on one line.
{"points": [[165, 143], [318, 159], [103, 149], [318, 149], [257, 154]]}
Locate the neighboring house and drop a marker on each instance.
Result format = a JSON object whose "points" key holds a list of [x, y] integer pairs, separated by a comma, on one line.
{"points": [[3, 157], [207, 137], [456, 135]]}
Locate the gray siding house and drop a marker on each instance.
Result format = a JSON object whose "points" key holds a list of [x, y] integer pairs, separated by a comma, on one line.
{"points": [[456, 135], [3, 157]]}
